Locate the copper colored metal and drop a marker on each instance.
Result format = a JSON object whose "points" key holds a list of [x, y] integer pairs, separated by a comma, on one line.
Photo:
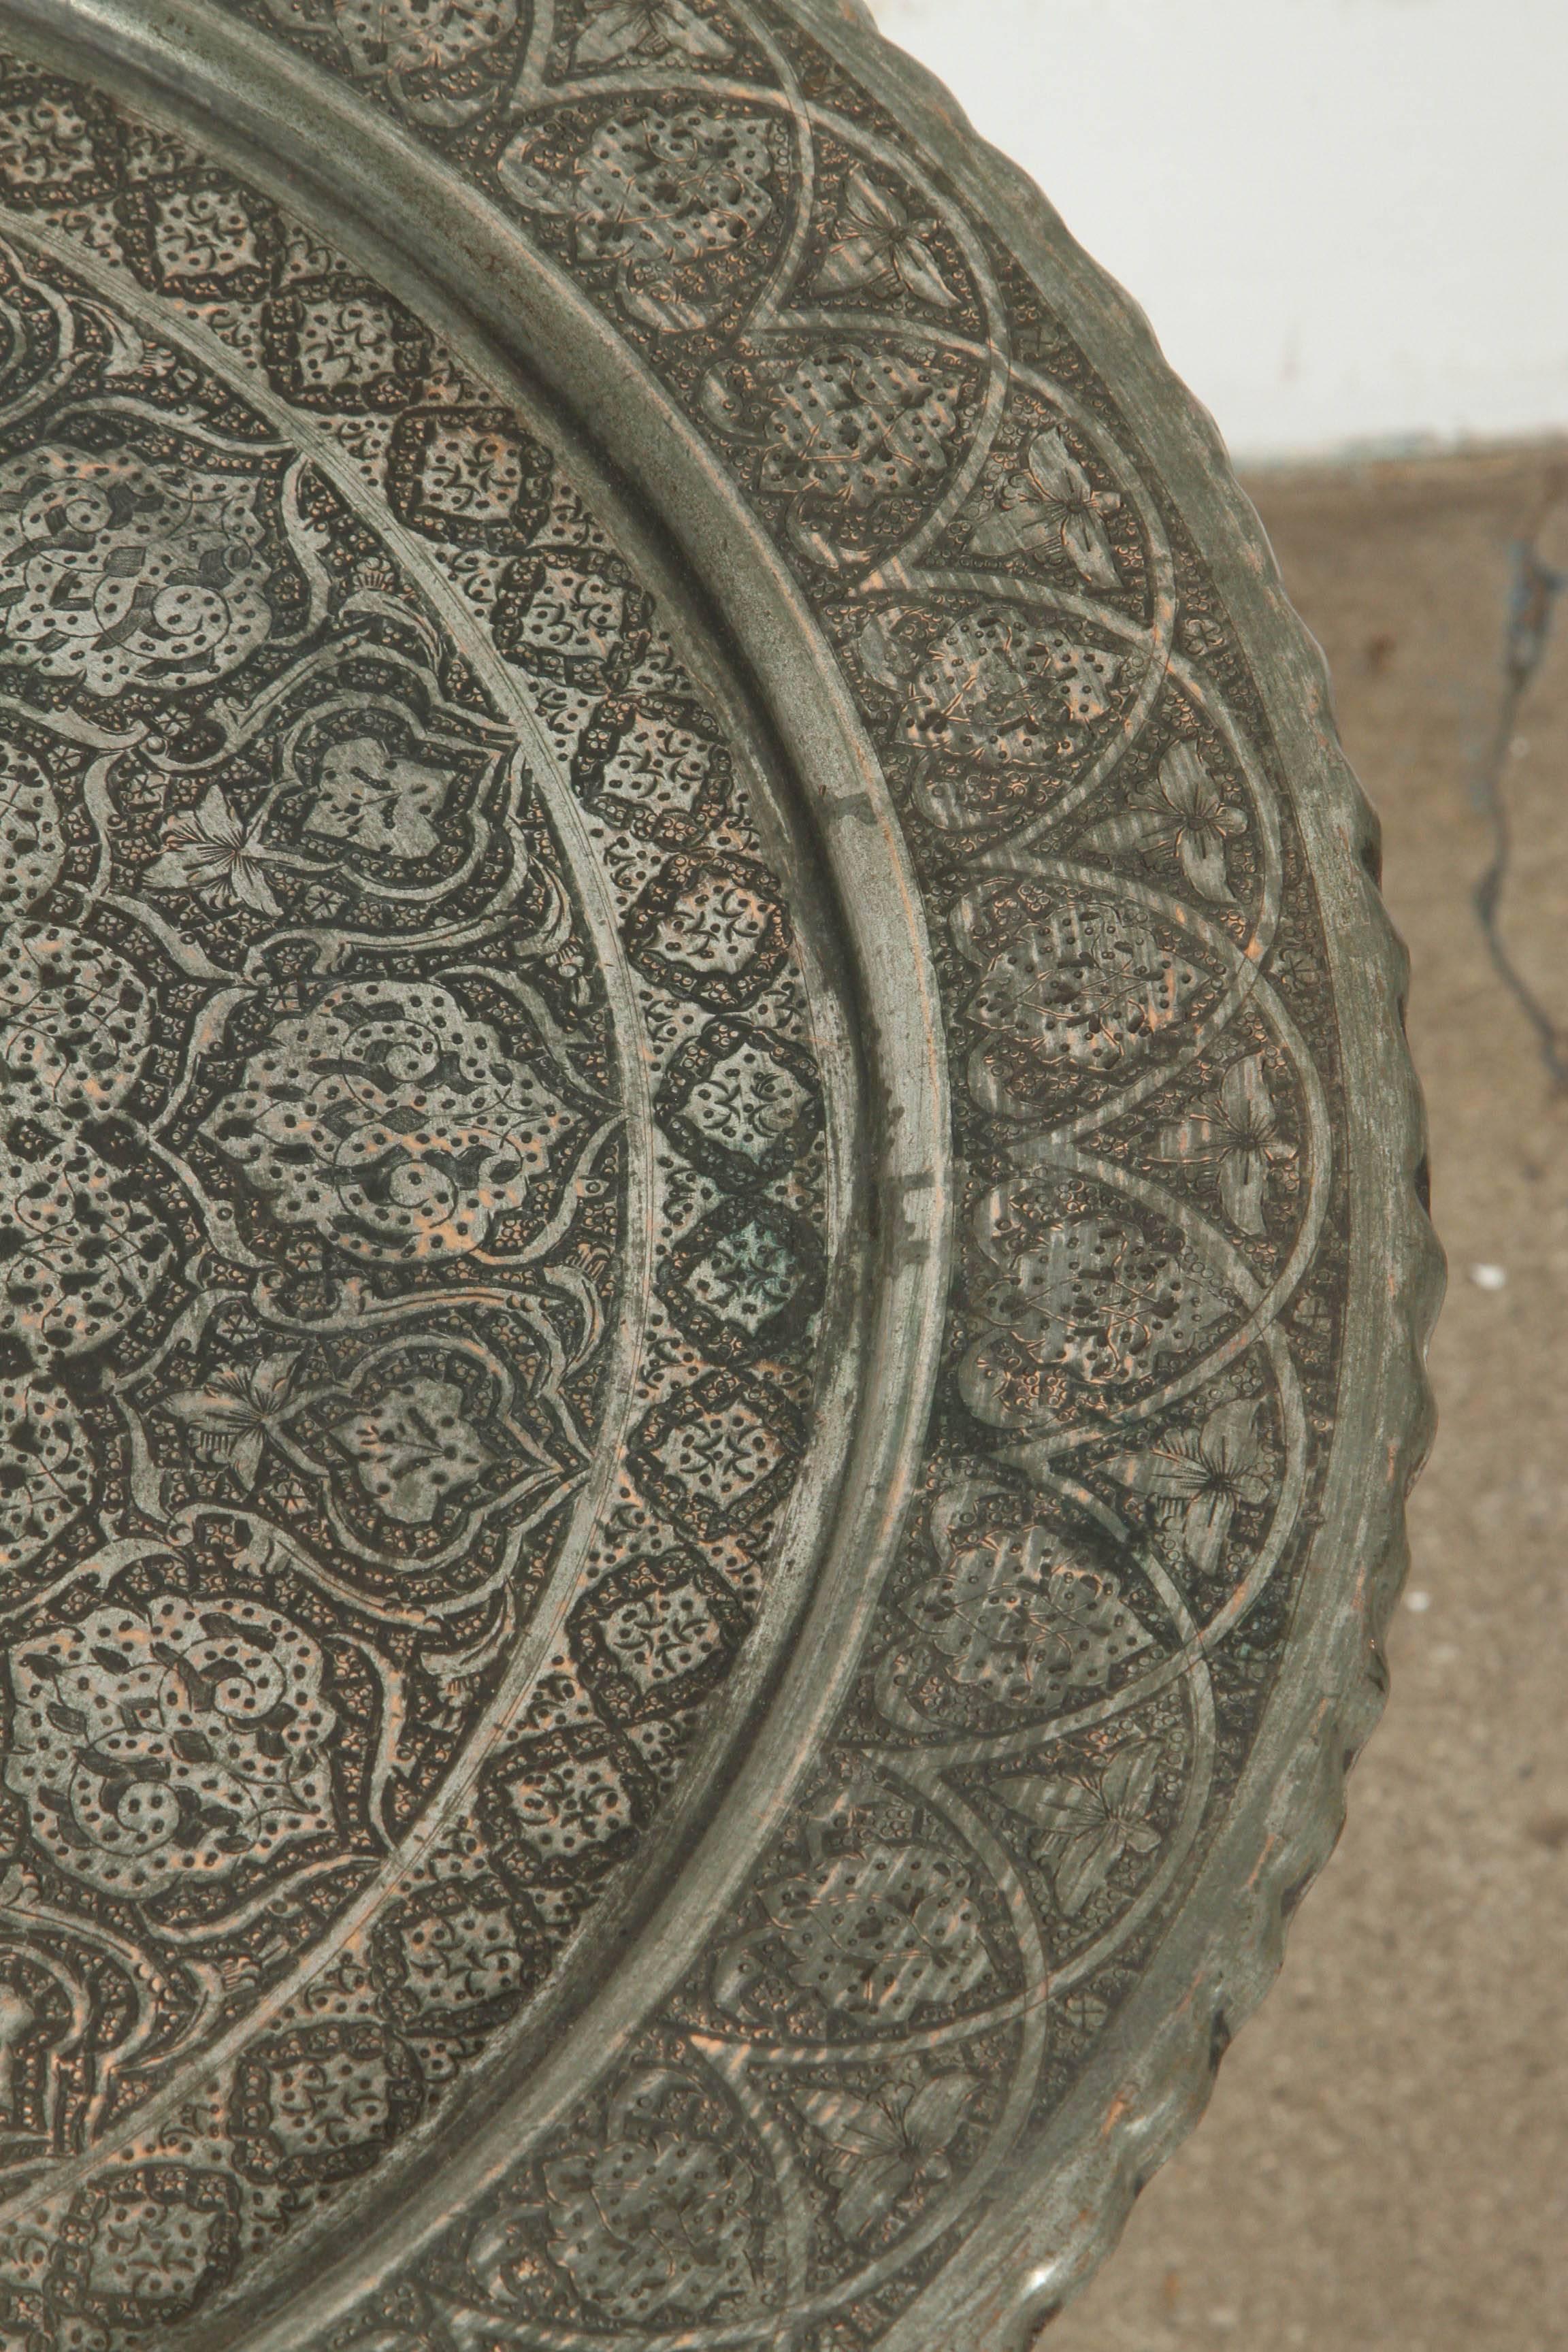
{"points": [[711, 1278]]}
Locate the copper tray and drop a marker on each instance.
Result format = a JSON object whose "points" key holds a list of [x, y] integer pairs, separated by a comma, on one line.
{"points": [[712, 1271]]}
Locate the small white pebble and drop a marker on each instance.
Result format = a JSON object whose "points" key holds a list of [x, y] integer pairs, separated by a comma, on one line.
{"points": [[1520, 748], [1490, 1277], [1419, 1602]]}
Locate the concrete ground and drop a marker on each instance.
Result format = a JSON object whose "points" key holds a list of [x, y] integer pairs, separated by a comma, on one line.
{"points": [[1385, 2165]]}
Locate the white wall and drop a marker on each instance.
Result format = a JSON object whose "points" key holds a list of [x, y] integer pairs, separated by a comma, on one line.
{"points": [[1347, 219]]}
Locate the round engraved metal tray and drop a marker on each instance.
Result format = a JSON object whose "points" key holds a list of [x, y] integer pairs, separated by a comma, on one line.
{"points": [[710, 1267]]}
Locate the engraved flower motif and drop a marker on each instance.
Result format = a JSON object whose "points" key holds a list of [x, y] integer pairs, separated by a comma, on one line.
{"points": [[1199, 1475], [1184, 812], [1294, 969], [748, 1101], [1203, 636], [876, 243], [46, 141], [1053, 508], [1083, 1825], [461, 1958], [210, 853], [1238, 1134], [233, 1415], [878, 2148], [571, 1808]]}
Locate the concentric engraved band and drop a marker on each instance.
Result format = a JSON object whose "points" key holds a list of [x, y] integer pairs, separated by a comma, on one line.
{"points": [[709, 1268]]}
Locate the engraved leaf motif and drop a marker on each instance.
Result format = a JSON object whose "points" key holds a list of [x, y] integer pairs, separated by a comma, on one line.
{"points": [[886, 1931], [1053, 508], [1184, 812], [874, 242], [877, 2148], [414, 1449], [624, 28], [1083, 1827], [45, 1471], [75, 1024], [231, 1417], [1199, 1475], [79, 1252], [150, 2247], [1239, 1133], [210, 853]]}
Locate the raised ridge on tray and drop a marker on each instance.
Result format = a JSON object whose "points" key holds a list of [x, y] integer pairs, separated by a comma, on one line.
{"points": [[714, 1274]]}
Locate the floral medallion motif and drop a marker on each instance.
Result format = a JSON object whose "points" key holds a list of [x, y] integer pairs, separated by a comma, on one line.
{"points": [[696, 1240], [1072, 1307], [392, 1120], [118, 571], [344, 1266], [172, 1740], [1073, 991], [848, 437], [653, 2220], [657, 195], [1017, 1616], [998, 711]]}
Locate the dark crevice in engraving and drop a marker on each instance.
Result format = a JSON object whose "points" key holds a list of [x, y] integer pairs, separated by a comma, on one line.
{"points": [[322, 1176], [1061, 1685]]}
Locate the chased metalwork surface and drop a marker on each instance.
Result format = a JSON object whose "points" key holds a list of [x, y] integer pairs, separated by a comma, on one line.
{"points": [[708, 1268]]}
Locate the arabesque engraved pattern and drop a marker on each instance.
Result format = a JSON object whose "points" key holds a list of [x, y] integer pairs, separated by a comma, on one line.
{"points": [[1067, 1667], [348, 1265]]}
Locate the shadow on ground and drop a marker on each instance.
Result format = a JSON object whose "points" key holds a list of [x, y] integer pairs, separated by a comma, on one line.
{"points": [[1384, 2165]]}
